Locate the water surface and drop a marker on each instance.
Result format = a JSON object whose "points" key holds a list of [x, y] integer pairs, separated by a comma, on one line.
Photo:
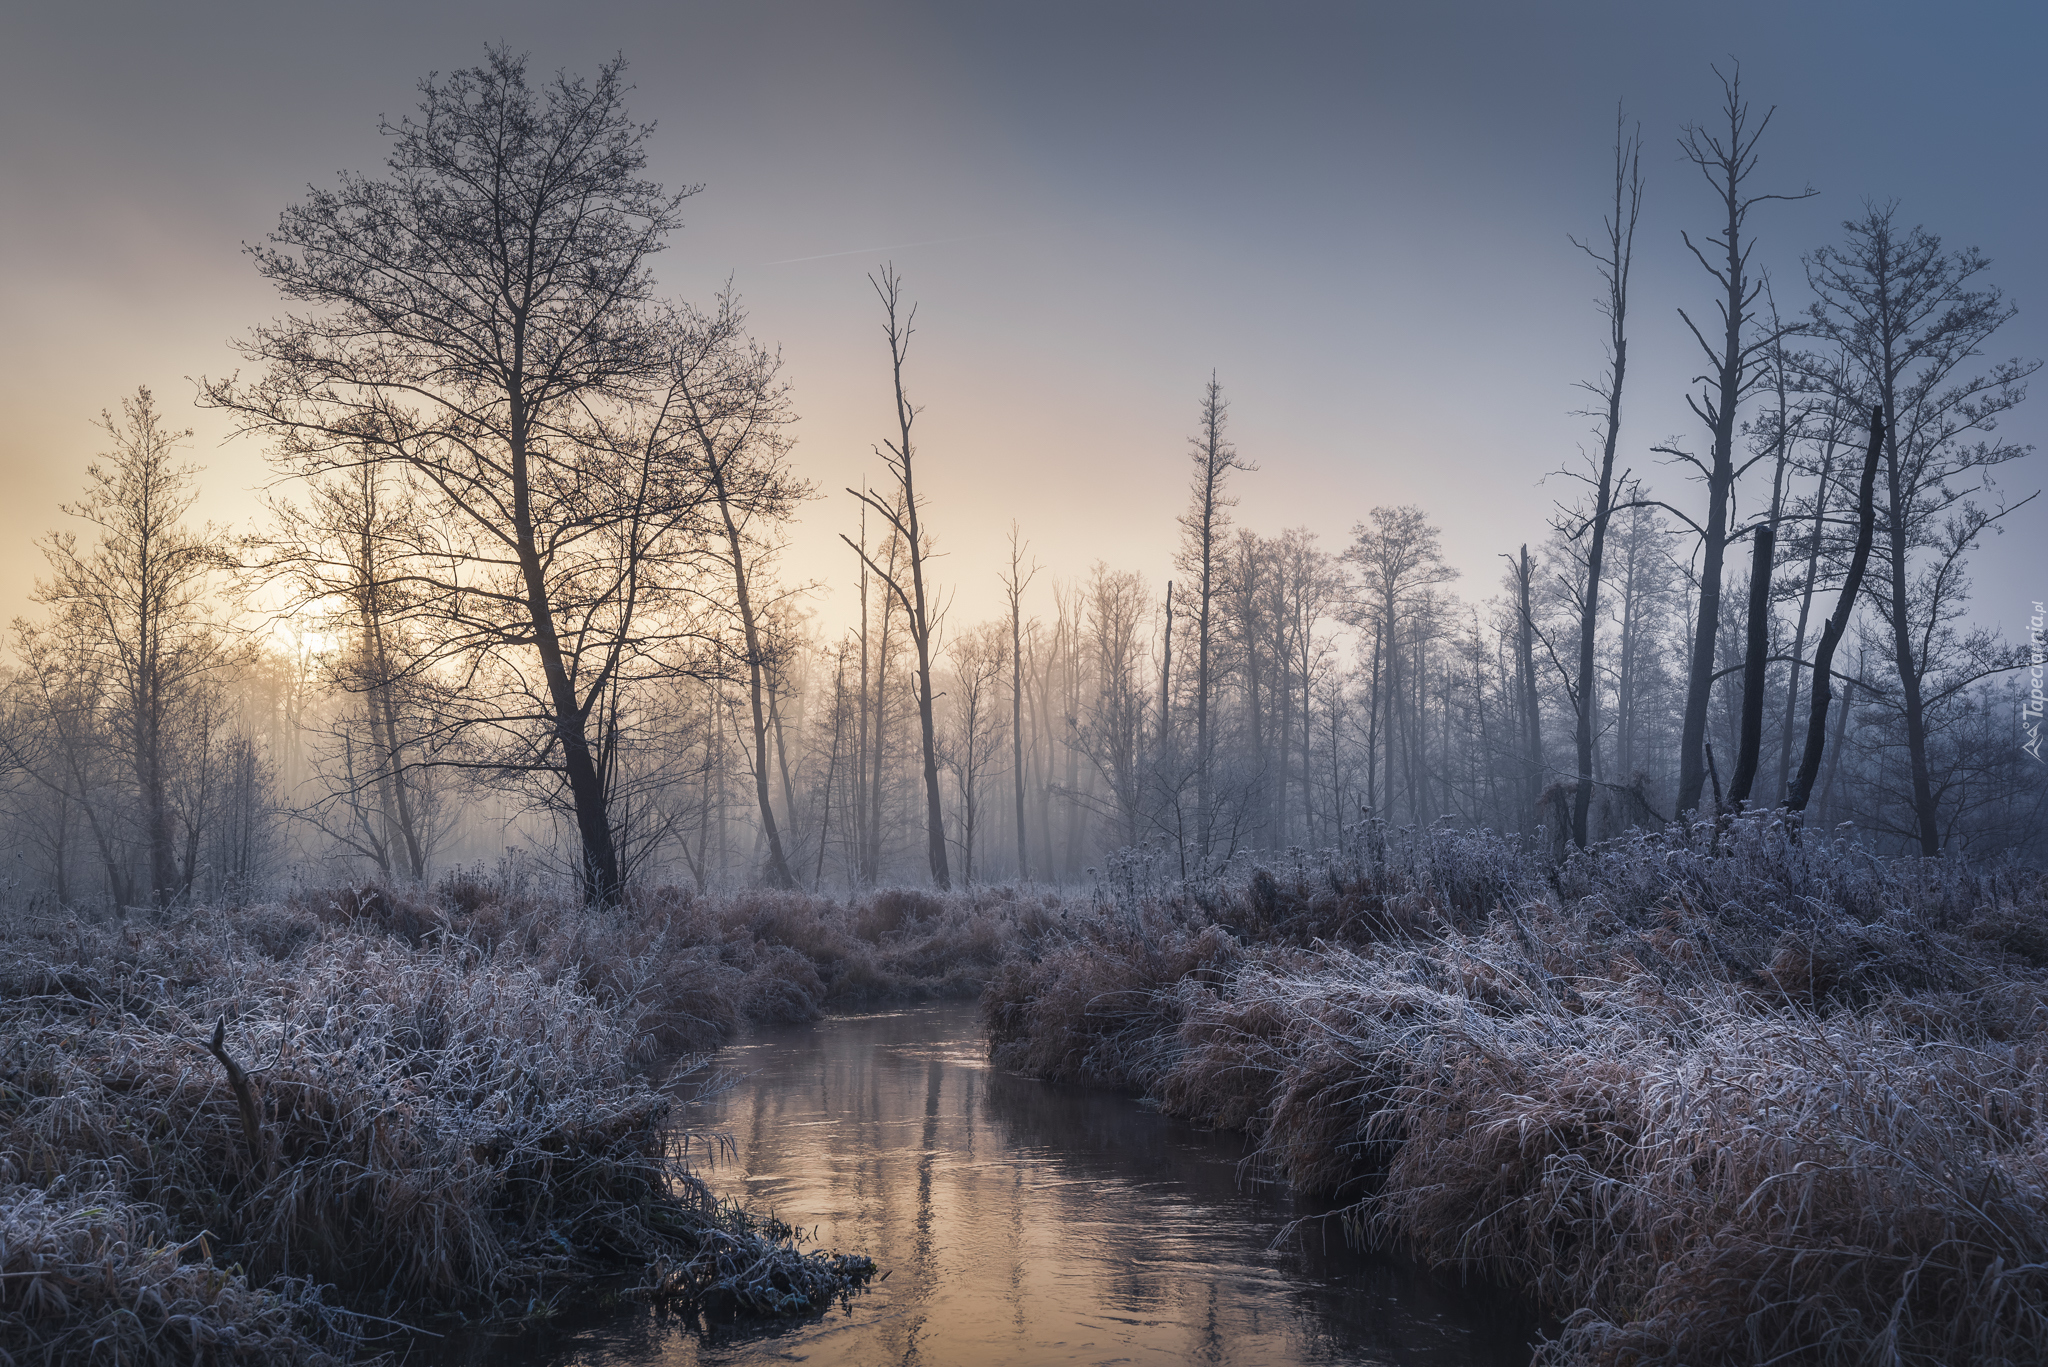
{"points": [[1021, 1222]]}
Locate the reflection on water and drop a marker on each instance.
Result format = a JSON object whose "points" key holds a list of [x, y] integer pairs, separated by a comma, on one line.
{"points": [[1022, 1223]]}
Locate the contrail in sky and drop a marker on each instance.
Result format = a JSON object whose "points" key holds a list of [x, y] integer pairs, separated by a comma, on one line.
{"points": [[864, 251]]}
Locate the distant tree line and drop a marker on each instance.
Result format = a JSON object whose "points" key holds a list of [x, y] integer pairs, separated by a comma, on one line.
{"points": [[523, 580]]}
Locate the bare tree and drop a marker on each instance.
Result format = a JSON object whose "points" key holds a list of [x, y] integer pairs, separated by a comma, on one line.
{"points": [[1400, 559], [1109, 728], [1203, 527], [1838, 623], [1613, 260], [1307, 586], [1824, 421], [980, 658], [481, 317], [1910, 318], [343, 556], [1250, 627], [1726, 160], [875, 704], [1528, 702], [1643, 588], [61, 734], [1015, 581], [135, 603], [734, 409], [901, 514]]}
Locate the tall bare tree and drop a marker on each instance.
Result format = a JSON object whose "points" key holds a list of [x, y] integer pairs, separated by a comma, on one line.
{"points": [[1838, 623], [1911, 316], [135, 602], [1203, 529], [1734, 357], [980, 659], [1613, 258], [1399, 556], [902, 516], [1015, 581], [344, 557], [481, 316], [734, 409]]}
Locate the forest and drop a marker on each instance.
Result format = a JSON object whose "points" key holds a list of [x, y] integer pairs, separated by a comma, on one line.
{"points": [[524, 575], [1693, 858]]}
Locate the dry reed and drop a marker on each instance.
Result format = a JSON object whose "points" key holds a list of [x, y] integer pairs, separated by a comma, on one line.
{"points": [[449, 1102], [1713, 1097]]}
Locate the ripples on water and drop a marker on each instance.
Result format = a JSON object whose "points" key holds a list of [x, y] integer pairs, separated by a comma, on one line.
{"points": [[1019, 1223]]}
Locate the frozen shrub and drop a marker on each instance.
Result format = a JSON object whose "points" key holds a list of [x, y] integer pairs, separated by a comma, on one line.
{"points": [[1097, 1003], [889, 910], [405, 912], [415, 1126]]}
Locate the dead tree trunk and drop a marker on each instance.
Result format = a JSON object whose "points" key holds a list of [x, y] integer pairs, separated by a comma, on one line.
{"points": [[1755, 665], [902, 516], [1525, 665], [1831, 634], [1621, 232], [1015, 583], [1726, 159]]}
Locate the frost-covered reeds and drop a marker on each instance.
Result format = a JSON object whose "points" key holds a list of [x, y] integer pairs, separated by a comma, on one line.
{"points": [[88, 1277], [1712, 1096], [218, 1127], [692, 968]]}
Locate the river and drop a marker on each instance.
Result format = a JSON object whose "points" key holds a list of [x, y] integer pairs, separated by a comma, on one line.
{"points": [[1021, 1222]]}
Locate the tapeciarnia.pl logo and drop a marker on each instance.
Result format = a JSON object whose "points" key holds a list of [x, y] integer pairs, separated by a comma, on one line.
{"points": [[2030, 711]]}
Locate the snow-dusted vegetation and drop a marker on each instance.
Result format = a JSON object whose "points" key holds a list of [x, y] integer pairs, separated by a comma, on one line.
{"points": [[266, 1133], [1715, 1094]]}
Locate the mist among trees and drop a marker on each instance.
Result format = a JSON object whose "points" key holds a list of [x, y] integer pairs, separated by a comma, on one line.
{"points": [[519, 587]]}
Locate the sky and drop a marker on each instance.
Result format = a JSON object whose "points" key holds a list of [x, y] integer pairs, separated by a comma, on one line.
{"points": [[1358, 217]]}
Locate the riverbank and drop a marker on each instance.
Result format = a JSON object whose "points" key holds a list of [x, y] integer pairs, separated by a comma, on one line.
{"points": [[1707, 1096], [268, 1133], [1712, 1096]]}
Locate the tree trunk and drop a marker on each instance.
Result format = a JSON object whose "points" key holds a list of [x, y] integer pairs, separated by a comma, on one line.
{"points": [[831, 766], [1755, 668], [934, 814], [1372, 726], [600, 863], [1827, 789], [148, 706], [1016, 586], [1588, 691], [904, 518], [1625, 673], [778, 871], [1621, 230], [1726, 161], [789, 816], [1902, 652], [1838, 623], [396, 801], [1525, 665], [1805, 611], [1166, 681], [1305, 633]]}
